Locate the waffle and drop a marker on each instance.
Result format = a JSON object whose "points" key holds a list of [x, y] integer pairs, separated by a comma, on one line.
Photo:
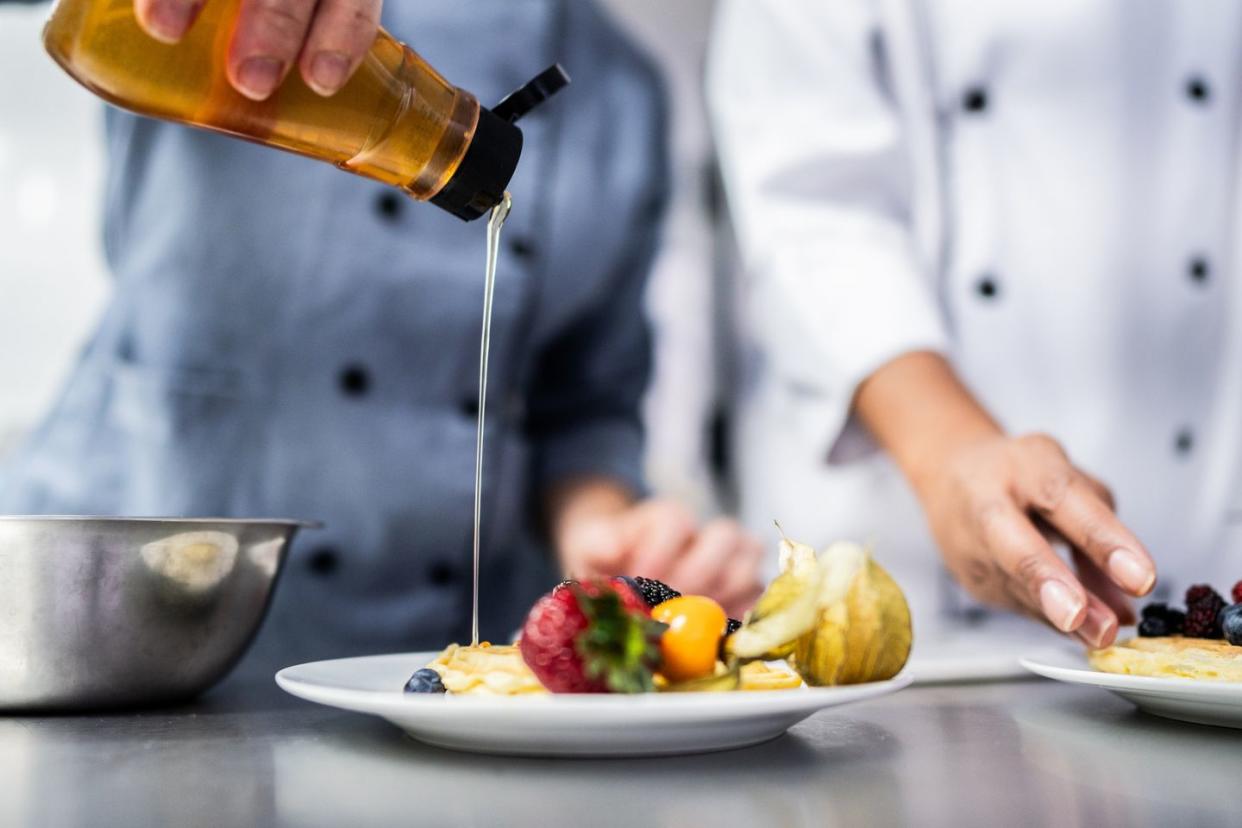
{"points": [[1173, 656], [485, 671]]}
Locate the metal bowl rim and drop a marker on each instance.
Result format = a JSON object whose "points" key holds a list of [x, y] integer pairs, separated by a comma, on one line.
{"points": [[304, 524]]}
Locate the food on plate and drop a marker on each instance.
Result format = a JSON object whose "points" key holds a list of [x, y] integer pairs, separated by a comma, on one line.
{"points": [[838, 616], [688, 647], [592, 637], [485, 670], [785, 611], [1186, 645], [1172, 656], [722, 678], [1231, 623], [1160, 620], [830, 618], [763, 675], [425, 680], [653, 592], [1203, 606]]}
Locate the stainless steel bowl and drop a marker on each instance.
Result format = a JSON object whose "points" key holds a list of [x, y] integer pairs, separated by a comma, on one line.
{"points": [[103, 612]]}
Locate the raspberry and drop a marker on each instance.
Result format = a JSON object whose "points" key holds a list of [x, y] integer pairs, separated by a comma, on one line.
{"points": [[1203, 606], [1237, 593]]}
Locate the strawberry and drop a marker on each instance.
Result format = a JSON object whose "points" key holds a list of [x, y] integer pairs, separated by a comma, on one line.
{"points": [[1237, 593], [592, 638]]}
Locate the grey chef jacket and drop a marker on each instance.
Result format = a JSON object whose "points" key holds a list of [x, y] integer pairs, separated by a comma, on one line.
{"points": [[288, 340]]}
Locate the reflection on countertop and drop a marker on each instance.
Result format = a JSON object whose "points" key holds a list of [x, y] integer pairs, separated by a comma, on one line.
{"points": [[1017, 753]]}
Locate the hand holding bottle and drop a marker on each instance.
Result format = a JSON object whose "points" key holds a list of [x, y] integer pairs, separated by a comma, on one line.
{"points": [[326, 39]]}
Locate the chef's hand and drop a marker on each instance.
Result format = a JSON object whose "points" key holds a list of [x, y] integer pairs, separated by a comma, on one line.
{"points": [[605, 534], [997, 503], [327, 39]]}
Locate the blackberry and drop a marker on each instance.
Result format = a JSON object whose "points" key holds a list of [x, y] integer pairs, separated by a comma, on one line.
{"points": [[1199, 592], [653, 591], [1154, 627], [1160, 620], [732, 625], [1203, 606]]}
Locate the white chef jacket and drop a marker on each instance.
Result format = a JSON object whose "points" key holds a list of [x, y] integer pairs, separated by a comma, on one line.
{"points": [[1043, 192]]}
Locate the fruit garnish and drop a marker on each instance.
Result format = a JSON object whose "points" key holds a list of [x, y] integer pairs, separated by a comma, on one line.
{"points": [[864, 631], [1231, 623], [1236, 595], [1203, 606], [425, 680], [1160, 620], [653, 592], [786, 611], [723, 678], [690, 644], [838, 616], [592, 637]]}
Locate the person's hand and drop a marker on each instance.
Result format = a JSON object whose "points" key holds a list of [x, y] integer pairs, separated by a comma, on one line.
{"points": [[996, 504], [995, 508], [661, 539], [326, 39]]}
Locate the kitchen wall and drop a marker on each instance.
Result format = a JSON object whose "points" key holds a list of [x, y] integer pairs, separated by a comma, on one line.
{"points": [[52, 282]]}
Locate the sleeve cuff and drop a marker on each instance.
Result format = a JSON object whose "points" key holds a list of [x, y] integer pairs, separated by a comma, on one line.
{"points": [[836, 314], [611, 448]]}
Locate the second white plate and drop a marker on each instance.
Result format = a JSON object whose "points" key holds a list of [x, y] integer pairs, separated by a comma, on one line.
{"points": [[565, 725], [1188, 700]]}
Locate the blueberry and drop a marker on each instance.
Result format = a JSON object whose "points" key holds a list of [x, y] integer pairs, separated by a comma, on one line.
{"points": [[425, 680], [1231, 623], [1153, 626]]}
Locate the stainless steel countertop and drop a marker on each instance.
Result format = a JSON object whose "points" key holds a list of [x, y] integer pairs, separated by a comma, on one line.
{"points": [[1024, 753]]}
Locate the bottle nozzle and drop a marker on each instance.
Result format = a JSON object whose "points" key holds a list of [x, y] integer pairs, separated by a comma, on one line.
{"points": [[537, 90]]}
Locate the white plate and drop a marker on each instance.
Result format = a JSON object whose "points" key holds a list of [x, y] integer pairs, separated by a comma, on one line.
{"points": [[1188, 700], [564, 725]]}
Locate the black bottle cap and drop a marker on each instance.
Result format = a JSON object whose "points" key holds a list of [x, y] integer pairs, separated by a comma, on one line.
{"points": [[479, 183], [480, 180]]}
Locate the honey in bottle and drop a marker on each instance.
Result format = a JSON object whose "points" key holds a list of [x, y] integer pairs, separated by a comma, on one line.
{"points": [[396, 121]]}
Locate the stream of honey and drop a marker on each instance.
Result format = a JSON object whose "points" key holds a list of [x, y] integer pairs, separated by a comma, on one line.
{"points": [[494, 224]]}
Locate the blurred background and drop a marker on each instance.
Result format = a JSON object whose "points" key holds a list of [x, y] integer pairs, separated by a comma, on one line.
{"points": [[53, 281], [52, 277]]}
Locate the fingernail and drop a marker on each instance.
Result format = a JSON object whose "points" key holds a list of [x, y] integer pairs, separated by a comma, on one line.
{"points": [[1130, 571], [259, 76], [1098, 629], [1059, 604], [169, 21], [328, 72]]}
